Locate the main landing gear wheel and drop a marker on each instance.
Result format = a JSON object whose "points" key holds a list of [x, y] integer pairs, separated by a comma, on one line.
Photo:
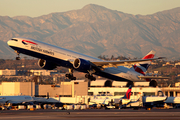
{"points": [[70, 75], [90, 77], [153, 83], [130, 83]]}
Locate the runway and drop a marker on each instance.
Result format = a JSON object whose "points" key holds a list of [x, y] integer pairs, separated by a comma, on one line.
{"points": [[89, 114]]}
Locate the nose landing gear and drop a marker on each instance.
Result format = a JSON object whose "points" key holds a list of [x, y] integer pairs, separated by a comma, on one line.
{"points": [[17, 58]]}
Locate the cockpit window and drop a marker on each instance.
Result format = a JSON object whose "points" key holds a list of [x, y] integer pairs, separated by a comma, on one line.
{"points": [[14, 39]]}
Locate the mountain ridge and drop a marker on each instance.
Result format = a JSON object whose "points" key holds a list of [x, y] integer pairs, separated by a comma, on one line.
{"points": [[95, 30]]}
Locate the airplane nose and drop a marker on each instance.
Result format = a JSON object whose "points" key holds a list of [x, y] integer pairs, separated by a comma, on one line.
{"points": [[8, 42]]}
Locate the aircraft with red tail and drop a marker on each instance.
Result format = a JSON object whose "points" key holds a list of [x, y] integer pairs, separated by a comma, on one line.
{"points": [[51, 56]]}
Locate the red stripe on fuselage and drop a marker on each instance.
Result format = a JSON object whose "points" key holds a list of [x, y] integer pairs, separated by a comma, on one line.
{"points": [[30, 42]]}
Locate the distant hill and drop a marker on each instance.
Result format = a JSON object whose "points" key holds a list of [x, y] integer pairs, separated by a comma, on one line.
{"points": [[95, 30]]}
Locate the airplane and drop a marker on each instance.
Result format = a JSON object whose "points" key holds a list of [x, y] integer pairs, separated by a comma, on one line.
{"points": [[142, 100], [107, 101], [123, 101], [99, 102], [43, 101], [161, 100], [51, 56], [154, 101], [173, 101], [15, 100], [28, 100]]}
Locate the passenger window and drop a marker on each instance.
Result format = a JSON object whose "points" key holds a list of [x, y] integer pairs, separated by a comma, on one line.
{"points": [[14, 39]]}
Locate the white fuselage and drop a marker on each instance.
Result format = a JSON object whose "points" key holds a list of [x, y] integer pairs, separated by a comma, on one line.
{"points": [[15, 99], [174, 100], [22, 45]]}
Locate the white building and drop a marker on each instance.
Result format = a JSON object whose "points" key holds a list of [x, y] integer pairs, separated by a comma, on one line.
{"points": [[78, 90], [177, 84], [42, 72], [17, 88], [8, 72]]}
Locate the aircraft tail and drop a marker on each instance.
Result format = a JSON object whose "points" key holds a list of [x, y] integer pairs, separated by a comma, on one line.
{"points": [[143, 66], [128, 93]]}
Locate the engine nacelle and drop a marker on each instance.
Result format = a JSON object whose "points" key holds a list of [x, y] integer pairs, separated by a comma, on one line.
{"points": [[124, 101], [46, 64], [81, 64], [153, 83]]}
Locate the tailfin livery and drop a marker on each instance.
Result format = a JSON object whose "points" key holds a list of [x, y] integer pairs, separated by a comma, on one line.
{"points": [[143, 66], [128, 93]]}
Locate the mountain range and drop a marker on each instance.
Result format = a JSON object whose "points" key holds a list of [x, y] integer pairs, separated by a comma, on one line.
{"points": [[95, 30]]}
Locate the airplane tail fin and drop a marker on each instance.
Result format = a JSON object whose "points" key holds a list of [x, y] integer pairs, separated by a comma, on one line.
{"points": [[143, 66], [128, 93], [104, 102]]}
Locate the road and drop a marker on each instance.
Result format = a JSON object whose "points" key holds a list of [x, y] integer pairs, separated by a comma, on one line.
{"points": [[92, 114]]}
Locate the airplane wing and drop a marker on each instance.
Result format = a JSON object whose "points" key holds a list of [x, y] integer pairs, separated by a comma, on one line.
{"points": [[18, 101], [105, 64], [152, 77], [45, 100], [1, 98]]}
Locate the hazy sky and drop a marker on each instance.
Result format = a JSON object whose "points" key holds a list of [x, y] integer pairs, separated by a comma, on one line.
{"points": [[34, 8]]}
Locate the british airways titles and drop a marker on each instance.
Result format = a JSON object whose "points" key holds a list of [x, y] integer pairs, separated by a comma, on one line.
{"points": [[41, 50]]}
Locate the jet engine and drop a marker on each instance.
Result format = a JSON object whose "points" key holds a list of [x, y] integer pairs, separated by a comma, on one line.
{"points": [[119, 105], [46, 64], [153, 83], [81, 64]]}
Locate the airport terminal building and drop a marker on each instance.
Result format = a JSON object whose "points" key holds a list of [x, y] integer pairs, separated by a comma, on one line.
{"points": [[79, 90]]}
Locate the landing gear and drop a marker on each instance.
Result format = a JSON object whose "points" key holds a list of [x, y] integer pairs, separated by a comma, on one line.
{"points": [[90, 77], [130, 83], [17, 58], [153, 83], [70, 75]]}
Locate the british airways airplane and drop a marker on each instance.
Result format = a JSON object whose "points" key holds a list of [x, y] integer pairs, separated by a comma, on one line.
{"points": [[51, 56]]}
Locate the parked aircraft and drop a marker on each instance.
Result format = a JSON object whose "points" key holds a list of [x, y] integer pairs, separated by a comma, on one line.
{"points": [[16, 99], [161, 100], [107, 101], [126, 100], [43, 101], [99, 102], [154, 101], [51, 56], [173, 101], [27, 100], [144, 101], [149, 102]]}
